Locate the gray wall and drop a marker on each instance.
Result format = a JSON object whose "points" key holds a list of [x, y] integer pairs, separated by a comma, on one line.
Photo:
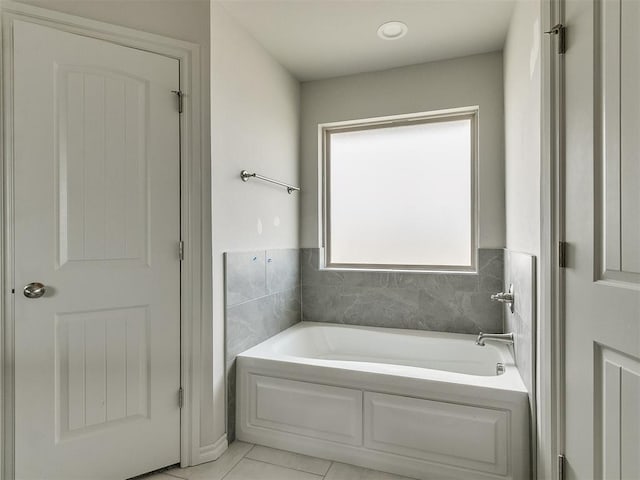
{"points": [[255, 126], [475, 80], [522, 93], [445, 302], [262, 298]]}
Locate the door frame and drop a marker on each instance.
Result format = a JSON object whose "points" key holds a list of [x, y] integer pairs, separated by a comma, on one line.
{"points": [[192, 212], [550, 363]]}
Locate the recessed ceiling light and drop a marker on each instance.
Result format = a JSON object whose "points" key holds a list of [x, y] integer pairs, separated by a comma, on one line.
{"points": [[392, 30]]}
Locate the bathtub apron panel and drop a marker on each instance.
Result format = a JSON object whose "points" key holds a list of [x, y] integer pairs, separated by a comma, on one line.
{"points": [[375, 397]]}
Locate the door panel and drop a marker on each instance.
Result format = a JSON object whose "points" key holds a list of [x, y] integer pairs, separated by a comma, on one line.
{"points": [[602, 281], [629, 139], [618, 388], [102, 174], [102, 368], [617, 121], [97, 220]]}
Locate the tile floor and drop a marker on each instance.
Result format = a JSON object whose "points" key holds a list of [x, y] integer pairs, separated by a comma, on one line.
{"points": [[243, 461]]}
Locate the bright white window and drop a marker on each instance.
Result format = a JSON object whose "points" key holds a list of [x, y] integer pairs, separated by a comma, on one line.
{"points": [[400, 193]]}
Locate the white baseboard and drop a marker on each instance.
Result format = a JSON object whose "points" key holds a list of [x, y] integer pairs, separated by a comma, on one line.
{"points": [[212, 452]]}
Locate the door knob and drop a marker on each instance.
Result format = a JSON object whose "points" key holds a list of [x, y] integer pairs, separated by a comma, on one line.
{"points": [[34, 290]]}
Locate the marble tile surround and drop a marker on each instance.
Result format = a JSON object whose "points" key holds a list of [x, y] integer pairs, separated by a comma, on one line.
{"points": [[445, 302], [262, 298], [520, 270]]}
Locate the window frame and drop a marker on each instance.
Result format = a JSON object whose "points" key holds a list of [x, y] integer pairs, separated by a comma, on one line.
{"points": [[325, 131]]}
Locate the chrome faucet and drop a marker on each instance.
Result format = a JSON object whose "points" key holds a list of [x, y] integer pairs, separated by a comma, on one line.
{"points": [[500, 337]]}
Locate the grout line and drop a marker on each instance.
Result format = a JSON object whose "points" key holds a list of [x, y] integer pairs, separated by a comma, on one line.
{"points": [[288, 468], [328, 470], [236, 464], [291, 468], [262, 297], [331, 462], [230, 470], [320, 477], [249, 451], [266, 276], [175, 476]]}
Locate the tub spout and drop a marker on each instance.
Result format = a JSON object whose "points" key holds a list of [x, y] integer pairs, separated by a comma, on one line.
{"points": [[500, 337]]}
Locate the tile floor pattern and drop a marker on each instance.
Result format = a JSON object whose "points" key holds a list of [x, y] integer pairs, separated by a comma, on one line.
{"points": [[243, 461]]}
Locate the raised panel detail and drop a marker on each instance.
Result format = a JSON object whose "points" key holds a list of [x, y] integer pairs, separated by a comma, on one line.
{"points": [[619, 172], [102, 368], [308, 409], [630, 140], [102, 187], [630, 422], [617, 388], [472, 437]]}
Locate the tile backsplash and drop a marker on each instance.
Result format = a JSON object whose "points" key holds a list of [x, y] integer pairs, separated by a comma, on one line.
{"points": [[445, 302], [262, 298], [520, 271]]}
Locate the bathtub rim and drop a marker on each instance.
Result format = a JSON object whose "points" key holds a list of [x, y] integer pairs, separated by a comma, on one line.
{"points": [[509, 381]]}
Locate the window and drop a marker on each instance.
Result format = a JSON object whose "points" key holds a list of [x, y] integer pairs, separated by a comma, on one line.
{"points": [[399, 192]]}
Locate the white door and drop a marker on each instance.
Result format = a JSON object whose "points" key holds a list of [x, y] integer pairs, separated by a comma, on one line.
{"points": [[602, 333], [97, 221]]}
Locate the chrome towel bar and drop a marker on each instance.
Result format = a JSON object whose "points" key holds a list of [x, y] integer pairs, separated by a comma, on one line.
{"points": [[245, 176]]}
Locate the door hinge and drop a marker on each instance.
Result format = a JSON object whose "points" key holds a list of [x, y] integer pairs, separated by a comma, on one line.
{"points": [[181, 250], [179, 96], [561, 462], [561, 31], [562, 254], [180, 397]]}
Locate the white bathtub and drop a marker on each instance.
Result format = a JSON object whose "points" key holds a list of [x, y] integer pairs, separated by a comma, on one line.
{"points": [[421, 404]]}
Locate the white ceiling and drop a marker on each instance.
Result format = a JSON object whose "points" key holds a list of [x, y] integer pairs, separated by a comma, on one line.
{"points": [[317, 39]]}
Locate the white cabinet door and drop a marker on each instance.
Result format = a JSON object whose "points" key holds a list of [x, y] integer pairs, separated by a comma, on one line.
{"points": [[307, 409], [97, 221], [459, 435], [602, 333]]}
